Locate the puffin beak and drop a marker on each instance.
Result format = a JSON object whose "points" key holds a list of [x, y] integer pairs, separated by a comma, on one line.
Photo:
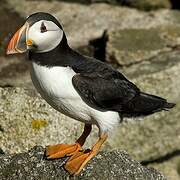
{"points": [[18, 42]]}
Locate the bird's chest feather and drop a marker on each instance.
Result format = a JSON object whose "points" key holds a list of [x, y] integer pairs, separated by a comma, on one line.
{"points": [[54, 81], [55, 86]]}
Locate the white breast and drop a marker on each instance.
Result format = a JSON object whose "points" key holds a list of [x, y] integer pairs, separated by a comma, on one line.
{"points": [[55, 86]]}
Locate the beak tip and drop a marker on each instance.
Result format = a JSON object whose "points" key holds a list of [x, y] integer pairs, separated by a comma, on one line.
{"points": [[7, 52]]}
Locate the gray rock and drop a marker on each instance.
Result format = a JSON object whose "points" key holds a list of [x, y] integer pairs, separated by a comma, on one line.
{"points": [[170, 167], [139, 4], [146, 4], [14, 71], [130, 46], [106, 165]]}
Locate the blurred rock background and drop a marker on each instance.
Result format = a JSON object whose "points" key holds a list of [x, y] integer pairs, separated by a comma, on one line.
{"points": [[141, 38]]}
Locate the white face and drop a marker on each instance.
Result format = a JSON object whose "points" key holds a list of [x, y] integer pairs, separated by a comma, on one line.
{"points": [[45, 34]]}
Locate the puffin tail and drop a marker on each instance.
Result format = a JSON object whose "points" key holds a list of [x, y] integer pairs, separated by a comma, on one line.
{"points": [[146, 104]]}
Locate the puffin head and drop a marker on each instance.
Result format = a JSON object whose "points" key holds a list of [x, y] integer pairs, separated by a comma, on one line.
{"points": [[41, 33]]}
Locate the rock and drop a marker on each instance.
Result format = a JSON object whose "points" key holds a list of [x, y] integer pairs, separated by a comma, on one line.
{"points": [[139, 4], [156, 64], [106, 165], [129, 46], [170, 167], [9, 21], [146, 4], [14, 71]]}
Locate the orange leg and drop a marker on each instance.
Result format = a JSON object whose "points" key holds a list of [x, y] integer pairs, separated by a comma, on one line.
{"points": [[77, 162], [61, 150]]}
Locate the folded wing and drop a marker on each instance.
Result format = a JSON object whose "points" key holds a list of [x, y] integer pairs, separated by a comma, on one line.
{"points": [[106, 92]]}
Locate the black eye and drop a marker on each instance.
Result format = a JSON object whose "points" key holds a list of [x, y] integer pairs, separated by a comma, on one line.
{"points": [[43, 28]]}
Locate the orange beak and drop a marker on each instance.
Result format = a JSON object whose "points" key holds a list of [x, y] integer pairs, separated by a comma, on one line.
{"points": [[18, 42]]}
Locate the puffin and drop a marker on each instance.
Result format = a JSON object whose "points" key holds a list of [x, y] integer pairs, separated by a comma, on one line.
{"points": [[83, 88]]}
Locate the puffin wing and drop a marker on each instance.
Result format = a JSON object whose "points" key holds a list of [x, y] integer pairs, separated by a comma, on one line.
{"points": [[109, 91]]}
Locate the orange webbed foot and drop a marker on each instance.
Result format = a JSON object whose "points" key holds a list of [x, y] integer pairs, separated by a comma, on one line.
{"points": [[77, 162], [61, 150]]}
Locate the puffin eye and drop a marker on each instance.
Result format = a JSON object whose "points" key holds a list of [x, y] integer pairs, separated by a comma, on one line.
{"points": [[43, 28]]}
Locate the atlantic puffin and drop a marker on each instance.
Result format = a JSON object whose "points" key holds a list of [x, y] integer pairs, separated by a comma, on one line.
{"points": [[78, 86]]}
